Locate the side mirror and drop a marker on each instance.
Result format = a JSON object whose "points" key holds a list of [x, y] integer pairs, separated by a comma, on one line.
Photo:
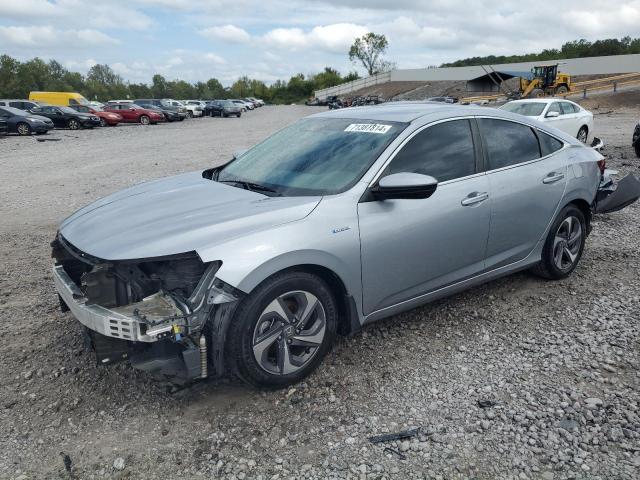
{"points": [[405, 185], [552, 114]]}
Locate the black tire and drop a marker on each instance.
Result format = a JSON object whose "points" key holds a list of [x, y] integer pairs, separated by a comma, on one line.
{"points": [[189, 114], [636, 147], [561, 90], [583, 134], [548, 267], [239, 115], [239, 340], [103, 122], [223, 115], [536, 93], [145, 120], [23, 129], [74, 124]]}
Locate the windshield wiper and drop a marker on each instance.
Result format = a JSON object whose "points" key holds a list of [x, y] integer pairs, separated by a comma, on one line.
{"points": [[253, 187]]}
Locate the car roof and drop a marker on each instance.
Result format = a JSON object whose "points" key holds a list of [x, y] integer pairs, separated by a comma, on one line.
{"points": [[407, 111], [540, 100]]}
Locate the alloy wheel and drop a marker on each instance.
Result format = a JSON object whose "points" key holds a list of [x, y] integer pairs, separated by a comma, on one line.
{"points": [[23, 129], [74, 124], [289, 332], [567, 243]]}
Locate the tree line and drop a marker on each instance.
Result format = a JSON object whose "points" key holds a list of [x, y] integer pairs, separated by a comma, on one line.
{"points": [[101, 83], [574, 49]]}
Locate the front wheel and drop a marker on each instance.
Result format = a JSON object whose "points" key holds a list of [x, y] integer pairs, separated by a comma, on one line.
{"points": [[74, 124], [23, 129], [145, 120], [564, 245], [282, 330], [636, 147], [103, 122], [189, 114]]}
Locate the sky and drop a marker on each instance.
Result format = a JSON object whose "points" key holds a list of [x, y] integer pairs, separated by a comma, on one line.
{"points": [[274, 39]]}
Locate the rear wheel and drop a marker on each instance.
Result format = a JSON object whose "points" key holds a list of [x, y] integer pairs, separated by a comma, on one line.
{"points": [[23, 129], [144, 120], [636, 147], [189, 114], [73, 124], [564, 245], [561, 90], [239, 115], [282, 330], [583, 134]]}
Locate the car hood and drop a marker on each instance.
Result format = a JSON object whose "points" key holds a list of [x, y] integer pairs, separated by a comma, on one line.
{"points": [[176, 215]]}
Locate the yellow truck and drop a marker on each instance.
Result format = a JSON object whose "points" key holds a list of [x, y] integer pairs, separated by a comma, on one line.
{"points": [[58, 98]]}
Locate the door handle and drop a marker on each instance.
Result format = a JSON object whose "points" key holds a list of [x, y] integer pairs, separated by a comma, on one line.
{"points": [[473, 198], [553, 177]]}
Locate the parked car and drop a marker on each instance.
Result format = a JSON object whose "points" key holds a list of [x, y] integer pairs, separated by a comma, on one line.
{"points": [[106, 118], [259, 101], [190, 109], [24, 123], [67, 117], [198, 104], [559, 113], [132, 113], [171, 112], [25, 105], [636, 139], [244, 106], [63, 99], [444, 99], [223, 108], [336, 221]]}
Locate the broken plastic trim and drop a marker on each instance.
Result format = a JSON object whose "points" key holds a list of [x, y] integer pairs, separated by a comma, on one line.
{"points": [[613, 197]]}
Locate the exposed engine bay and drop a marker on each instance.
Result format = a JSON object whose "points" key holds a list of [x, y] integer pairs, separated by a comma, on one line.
{"points": [[157, 313]]}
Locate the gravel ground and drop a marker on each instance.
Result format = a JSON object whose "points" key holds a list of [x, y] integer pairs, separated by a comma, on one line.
{"points": [[557, 360]]}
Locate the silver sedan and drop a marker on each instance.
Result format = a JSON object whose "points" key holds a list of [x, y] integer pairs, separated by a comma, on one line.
{"points": [[339, 220]]}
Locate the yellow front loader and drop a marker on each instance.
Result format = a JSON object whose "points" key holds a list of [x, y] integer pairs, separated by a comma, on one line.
{"points": [[545, 80]]}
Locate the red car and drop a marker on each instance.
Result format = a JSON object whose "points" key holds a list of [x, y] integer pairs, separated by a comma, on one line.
{"points": [[106, 118], [132, 113]]}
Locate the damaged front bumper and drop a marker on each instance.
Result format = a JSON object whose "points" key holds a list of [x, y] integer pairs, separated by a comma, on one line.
{"points": [[162, 332], [124, 323]]}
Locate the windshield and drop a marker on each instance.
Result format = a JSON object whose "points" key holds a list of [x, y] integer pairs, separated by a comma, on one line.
{"points": [[528, 109], [314, 156]]}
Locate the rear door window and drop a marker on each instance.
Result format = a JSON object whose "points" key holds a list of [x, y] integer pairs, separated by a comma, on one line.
{"points": [[548, 144], [508, 143], [444, 151], [568, 108]]}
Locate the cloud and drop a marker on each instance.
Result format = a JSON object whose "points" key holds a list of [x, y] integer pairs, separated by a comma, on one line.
{"points": [[337, 37], [49, 37], [226, 33]]}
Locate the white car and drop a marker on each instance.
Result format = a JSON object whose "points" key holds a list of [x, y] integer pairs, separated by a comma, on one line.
{"points": [[562, 114], [192, 110]]}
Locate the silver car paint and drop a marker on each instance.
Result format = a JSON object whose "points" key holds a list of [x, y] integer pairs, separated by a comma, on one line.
{"points": [[255, 236]]}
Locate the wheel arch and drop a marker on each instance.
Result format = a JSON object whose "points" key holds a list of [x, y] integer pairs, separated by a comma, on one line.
{"points": [[328, 268], [585, 208]]}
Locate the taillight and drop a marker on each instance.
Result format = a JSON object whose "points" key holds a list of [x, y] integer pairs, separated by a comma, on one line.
{"points": [[602, 164]]}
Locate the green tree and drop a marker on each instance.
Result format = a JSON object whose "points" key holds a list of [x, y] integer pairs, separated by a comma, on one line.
{"points": [[369, 50]]}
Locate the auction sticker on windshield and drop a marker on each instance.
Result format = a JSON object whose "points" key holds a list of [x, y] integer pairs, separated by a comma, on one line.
{"points": [[368, 128]]}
